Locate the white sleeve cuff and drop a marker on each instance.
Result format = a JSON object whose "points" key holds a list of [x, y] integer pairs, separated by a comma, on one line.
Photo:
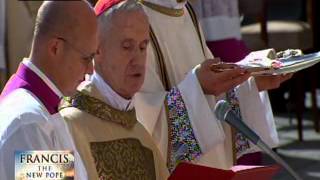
{"points": [[206, 128], [256, 111]]}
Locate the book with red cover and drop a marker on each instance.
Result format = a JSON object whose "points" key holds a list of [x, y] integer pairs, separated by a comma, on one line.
{"points": [[186, 171]]}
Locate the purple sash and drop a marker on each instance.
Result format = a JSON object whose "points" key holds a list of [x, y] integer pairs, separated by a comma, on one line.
{"points": [[27, 79]]}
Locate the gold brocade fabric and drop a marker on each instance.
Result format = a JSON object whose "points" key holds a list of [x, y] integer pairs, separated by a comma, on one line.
{"points": [[123, 159], [100, 109]]}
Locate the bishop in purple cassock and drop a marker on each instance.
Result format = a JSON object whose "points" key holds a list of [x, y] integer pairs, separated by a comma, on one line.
{"points": [[60, 57]]}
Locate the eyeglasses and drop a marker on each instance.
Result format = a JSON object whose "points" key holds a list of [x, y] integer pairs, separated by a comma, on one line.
{"points": [[89, 58]]}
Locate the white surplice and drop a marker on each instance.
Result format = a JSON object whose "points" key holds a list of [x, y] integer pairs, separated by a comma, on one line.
{"points": [[25, 124], [182, 51]]}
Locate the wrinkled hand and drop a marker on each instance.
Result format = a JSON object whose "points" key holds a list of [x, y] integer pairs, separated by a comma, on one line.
{"points": [[271, 82], [217, 82]]}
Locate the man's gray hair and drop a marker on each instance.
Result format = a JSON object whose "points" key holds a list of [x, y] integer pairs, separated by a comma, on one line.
{"points": [[105, 20]]}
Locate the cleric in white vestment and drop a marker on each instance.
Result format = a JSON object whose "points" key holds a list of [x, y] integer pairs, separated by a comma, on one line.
{"points": [[172, 103], [29, 118]]}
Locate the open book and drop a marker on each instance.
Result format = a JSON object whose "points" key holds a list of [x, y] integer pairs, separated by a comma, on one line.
{"points": [[267, 62], [188, 171]]}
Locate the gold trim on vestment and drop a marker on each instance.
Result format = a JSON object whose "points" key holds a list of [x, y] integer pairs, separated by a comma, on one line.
{"points": [[162, 9], [100, 109]]}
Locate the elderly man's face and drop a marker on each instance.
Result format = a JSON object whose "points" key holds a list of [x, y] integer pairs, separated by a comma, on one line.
{"points": [[122, 56]]}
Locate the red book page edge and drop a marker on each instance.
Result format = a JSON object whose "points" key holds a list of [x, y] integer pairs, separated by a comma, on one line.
{"points": [[188, 171]]}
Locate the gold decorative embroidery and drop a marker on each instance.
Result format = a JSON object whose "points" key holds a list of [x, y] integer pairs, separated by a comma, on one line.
{"points": [[123, 159], [162, 9], [100, 109]]}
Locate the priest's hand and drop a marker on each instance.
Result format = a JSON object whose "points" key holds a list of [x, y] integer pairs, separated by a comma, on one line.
{"points": [[216, 78], [271, 82]]}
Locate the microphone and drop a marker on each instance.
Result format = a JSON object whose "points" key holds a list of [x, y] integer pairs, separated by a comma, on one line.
{"points": [[225, 113]]}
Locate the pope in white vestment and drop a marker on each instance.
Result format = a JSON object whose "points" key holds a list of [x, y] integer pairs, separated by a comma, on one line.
{"points": [[171, 103], [101, 116], [111, 142]]}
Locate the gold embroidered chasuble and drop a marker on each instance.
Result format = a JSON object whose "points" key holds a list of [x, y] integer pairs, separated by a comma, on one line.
{"points": [[111, 143]]}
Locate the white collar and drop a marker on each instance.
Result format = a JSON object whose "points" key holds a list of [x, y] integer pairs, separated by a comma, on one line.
{"points": [[113, 98], [27, 62], [168, 3]]}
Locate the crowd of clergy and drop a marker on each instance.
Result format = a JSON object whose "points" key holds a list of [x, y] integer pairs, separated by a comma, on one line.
{"points": [[128, 86]]}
